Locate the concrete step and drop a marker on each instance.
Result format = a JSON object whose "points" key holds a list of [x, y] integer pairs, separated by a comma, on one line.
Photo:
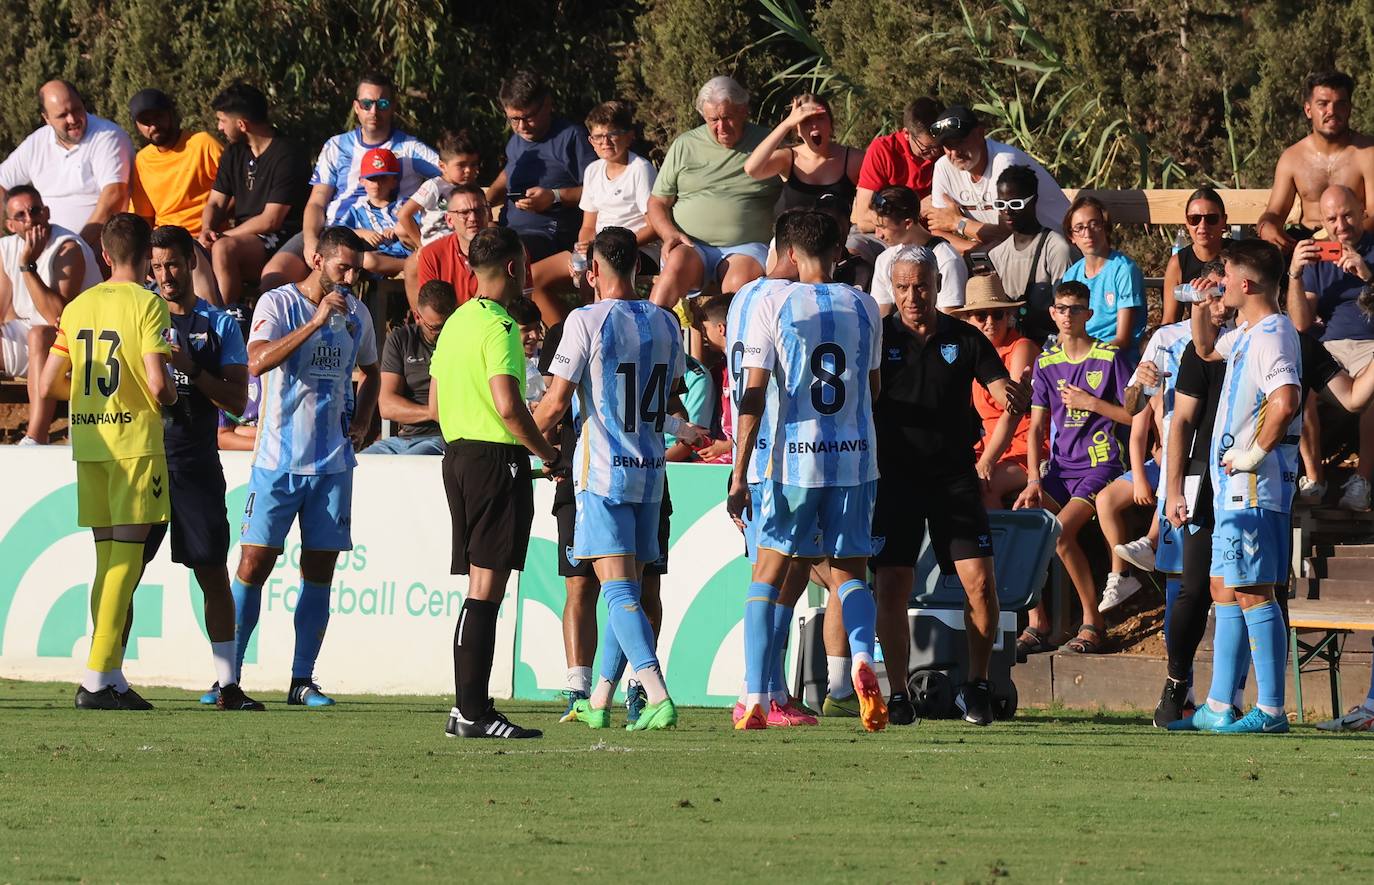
{"points": [[1335, 589], [1343, 551], [1342, 567]]}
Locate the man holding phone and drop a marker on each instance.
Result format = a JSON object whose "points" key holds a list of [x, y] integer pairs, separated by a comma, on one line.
{"points": [[1327, 281]]}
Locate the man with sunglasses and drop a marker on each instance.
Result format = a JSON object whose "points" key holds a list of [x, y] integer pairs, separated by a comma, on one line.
{"points": [[336, 184], [262, 180], [904, 158], [1032, 260], [964, 185]]}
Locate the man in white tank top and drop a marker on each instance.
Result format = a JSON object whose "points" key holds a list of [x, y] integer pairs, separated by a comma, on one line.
{"points": [[42, 267]]}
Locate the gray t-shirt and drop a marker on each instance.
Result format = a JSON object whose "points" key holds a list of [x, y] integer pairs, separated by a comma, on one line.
{"points": [[1013, 266], [407, 354]]}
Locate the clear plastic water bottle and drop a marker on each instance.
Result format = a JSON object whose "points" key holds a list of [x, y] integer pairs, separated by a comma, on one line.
{"points": [[1181, 241], [1187, 294], [338, 322], [579, 267]]}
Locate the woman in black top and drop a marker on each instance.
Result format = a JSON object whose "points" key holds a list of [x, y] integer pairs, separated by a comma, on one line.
{"points": [[817, 173], [1206, 217]]}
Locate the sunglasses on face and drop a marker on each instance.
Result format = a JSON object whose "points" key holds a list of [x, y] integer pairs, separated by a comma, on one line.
{"points": [[1208, 218], [27, 214], [1012, 205], [602, 138], [1070, 309], [368, 104], [982, 316]]}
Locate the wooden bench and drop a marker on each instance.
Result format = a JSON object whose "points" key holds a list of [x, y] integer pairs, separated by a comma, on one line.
{"points": [[1333, 622], [1168, 206]]}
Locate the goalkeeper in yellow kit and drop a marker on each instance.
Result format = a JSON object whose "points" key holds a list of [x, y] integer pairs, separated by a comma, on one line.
{"points": [[112, 340]]}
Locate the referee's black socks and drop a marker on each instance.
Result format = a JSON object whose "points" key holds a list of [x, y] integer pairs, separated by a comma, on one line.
{"points": [[474, 644]]}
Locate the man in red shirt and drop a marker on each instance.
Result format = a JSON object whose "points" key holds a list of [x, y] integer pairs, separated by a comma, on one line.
{"points": [[446, 258], [905, 157]]}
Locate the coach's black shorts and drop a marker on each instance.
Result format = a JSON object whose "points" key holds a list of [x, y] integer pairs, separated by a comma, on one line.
{"points": [[951, 504], [565, 512], [491, 503], [200, 520]]}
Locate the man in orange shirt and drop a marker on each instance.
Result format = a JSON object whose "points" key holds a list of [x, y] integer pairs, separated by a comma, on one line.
{"points": [[173, 175]]}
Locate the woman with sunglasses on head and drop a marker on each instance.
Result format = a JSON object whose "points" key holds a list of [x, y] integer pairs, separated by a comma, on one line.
{"points": [[1205, 214], [991, 310], [1114, 281]]}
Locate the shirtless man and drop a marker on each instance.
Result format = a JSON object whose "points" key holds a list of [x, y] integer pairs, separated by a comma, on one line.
{"points": [[1332, 154]]}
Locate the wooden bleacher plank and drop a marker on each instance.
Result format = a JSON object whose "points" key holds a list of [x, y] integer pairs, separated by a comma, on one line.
{"points": [[1167, 206], [1308, 615]]}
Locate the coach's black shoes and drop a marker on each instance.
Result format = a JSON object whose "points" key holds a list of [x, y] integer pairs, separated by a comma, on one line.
{"points": [[231, 697], [132, 700], [975, 702], [901, 711], [1171, 703], [491, 724]]}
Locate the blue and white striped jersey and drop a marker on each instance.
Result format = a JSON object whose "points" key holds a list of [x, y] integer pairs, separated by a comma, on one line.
{"points": [[340, 166], [307, 401], [743, 309], [820, 341], [625, 358], [1260, 359]]}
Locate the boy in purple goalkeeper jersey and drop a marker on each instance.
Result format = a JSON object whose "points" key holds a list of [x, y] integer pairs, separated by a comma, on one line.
{"points": [[1078, 384]]}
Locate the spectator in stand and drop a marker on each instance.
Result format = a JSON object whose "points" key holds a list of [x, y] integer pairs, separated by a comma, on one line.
{"points": [[43, 266], [964, 186], [1329, 295], [816, 172], [897, 210], [615, 193], [374, 218], [541, 184], [173, 175], [711, 320], [903, 158], [260, 187], [526, 316], [336, 184], [404, 394], [1115, 281], [988, 307], [1033, 258], [459, 164], [1332, 153], [1205, 214], [713, 218], [447, 257], [81, 163]]}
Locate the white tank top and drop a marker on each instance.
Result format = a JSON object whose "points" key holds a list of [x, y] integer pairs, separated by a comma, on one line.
{"points": [[12, 247]]}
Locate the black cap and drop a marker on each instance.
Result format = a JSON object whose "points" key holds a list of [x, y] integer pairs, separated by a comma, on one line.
{"points": [[954, 123], [149, 100]]}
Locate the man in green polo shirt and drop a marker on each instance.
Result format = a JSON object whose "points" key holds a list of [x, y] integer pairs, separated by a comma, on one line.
{"points": [[478, 376]]}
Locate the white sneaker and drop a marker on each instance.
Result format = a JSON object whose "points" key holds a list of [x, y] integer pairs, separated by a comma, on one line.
{"points": [[1119, 589], [1311, 492], [1360, 718], [1355, 494], [28, 441], [1139, 553]]}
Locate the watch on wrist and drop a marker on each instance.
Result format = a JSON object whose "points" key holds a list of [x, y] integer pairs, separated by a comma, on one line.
{"points": [[31, 267], [557, 197], [961, 227]]}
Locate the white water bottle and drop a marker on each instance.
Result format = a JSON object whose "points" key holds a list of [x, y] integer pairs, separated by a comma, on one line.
{"points": [[1181, 241]]}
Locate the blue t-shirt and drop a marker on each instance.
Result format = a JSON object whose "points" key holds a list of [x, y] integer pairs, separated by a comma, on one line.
{"points": [[1336, 292], [365, 216], [1119, 284], [215, 341], [555, 161]]}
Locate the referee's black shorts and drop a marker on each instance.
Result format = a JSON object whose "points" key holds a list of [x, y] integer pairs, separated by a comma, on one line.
{"points": [[491, 504], [200, 520], [565, 512], [950, 503]]}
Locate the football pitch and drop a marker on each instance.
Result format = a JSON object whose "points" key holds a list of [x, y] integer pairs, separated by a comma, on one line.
{"points": [[372, 791]]}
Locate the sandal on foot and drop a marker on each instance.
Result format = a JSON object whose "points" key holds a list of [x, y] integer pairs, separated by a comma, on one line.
{"points": [[1086, 645], [1032, 642]]}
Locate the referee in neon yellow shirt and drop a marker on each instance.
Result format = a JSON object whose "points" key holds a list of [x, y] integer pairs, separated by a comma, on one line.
{"points": [[112, 338], [478, 376]]}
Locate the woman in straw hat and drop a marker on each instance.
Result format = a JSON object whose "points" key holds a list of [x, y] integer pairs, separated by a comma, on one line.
{"points": [[991, 310]]}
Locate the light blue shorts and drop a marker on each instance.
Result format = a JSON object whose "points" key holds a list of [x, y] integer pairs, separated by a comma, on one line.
{"points": [[1151, 474], [825, 522], [615, 528], [1169, 555], [1250, 547], [323, 503], [712, 256]]}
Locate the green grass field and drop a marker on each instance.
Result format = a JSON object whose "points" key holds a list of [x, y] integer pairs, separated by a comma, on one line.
{"points": [[373, 791]]}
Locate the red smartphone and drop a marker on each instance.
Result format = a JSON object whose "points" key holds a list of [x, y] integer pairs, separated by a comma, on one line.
{"points": [[1329, 250]]}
